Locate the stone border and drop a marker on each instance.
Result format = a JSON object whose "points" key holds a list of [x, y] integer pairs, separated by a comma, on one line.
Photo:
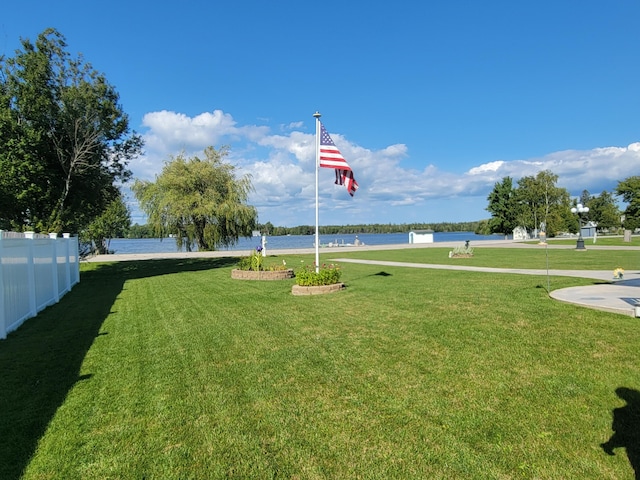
{"points": [[318, 290], [238, 274]]}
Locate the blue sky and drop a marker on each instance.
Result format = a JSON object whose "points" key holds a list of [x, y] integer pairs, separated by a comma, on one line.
{"points": [[431, 103]]}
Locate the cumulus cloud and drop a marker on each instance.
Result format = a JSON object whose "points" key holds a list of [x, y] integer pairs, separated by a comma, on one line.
{"points": [[392, 189], [486, 167], [577, 170]]}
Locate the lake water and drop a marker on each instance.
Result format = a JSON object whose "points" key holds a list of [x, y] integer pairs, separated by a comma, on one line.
{"points": [[168, 245]]}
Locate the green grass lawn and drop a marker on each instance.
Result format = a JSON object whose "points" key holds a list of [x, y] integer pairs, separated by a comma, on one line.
{"points": [[172, 370], [615, 240], [535, 258]]}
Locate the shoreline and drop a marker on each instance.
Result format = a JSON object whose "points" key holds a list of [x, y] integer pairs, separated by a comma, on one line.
{"points": [[123, 257]]}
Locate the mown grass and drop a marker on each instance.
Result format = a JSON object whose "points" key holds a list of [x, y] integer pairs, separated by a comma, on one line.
{"points": [[616, 240], [171, 369], [536, 258]]}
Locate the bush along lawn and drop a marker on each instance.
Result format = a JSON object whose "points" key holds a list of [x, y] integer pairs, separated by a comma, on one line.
{"points": [[171, 369]]}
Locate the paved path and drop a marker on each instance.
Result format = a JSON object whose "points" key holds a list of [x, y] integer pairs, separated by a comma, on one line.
{"points": [[611, 296]]}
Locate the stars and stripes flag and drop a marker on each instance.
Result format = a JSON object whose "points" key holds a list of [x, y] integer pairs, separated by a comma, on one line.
{"points": [[330, 157]]}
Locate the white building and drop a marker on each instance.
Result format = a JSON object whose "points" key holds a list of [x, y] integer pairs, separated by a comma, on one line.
{"points": [[520, 233], [421, 236]]}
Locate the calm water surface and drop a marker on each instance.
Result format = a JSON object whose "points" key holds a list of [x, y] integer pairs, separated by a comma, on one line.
{"points": [[167, 245]]}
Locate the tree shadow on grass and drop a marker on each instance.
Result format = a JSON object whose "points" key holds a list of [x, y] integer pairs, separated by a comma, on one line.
{"points": [[40, 362], [626, 428]]}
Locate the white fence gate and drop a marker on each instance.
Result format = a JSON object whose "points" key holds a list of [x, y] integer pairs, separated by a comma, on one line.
{"points": [[35, 272]]}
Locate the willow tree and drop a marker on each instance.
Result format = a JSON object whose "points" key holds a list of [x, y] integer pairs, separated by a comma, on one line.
{"points": [[200, 201]]}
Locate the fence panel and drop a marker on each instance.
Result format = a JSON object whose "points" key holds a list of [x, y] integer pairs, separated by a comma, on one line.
{"points": [[35, 271], [61, 268], [43, 266], [17, 306]]}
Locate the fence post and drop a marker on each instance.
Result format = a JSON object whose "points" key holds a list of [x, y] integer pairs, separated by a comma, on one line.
{"points": [[76, 256], [31, 275], [3, 313], [54, 266], [67, 265]]}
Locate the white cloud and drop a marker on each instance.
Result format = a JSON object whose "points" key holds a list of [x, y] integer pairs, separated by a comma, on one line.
{"points": [[169, 129], [283, 175], [486, 167], [294, 125]]}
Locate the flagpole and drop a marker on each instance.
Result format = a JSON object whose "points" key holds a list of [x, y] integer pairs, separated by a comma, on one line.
{"points": [[317, 242]]}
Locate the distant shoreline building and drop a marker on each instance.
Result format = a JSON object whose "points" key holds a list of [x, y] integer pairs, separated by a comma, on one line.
{"points": [[421, 236]]}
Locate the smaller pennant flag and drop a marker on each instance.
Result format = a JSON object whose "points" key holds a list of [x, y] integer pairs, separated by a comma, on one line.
{"points": [[330, 157]]}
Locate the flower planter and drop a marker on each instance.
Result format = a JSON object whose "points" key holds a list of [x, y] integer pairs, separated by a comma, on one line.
{"points": [[317, 290], [262, 275]]}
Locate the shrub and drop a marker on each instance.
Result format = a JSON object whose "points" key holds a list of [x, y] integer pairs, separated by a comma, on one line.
{"points": [[326, 275]]}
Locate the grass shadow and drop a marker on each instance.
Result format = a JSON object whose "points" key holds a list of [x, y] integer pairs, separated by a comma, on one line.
{"points": [[40, 362]]}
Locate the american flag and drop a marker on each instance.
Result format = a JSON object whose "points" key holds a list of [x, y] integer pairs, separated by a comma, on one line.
{"points": [[330, 157]]}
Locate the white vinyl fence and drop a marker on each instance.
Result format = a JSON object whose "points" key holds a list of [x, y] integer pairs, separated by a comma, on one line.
{"points": [[35, 272]]}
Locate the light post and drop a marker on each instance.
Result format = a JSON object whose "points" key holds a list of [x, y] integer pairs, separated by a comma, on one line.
{"points": [[579, 210]]}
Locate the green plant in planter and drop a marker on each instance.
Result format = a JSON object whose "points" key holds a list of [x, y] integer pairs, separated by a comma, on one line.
{"points": [[254, 262], [326, 275], [465, 251]]}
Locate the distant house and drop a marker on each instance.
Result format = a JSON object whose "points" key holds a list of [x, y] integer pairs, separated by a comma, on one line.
{"points": [[421, 236]]}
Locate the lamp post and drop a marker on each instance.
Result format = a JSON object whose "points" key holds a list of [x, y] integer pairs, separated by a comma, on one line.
{"points": [[579, 210]]}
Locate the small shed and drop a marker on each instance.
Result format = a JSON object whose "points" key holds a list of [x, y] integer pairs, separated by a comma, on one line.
{"points": [[589, 230], [421, 236]]}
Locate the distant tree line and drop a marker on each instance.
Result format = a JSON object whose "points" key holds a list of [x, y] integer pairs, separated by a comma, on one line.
{"points": [[269, 229], [146, 231]]}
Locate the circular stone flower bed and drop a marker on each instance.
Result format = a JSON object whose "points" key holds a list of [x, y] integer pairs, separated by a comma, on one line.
{"points": [[317, 290], [262, 274]]}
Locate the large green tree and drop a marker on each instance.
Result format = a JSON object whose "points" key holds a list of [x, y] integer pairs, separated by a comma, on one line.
{"points": [[629, 190], [534, 202], [200, 201], [503, 207], [64, 139], [604, 211], [542, 201], [114, 222]]}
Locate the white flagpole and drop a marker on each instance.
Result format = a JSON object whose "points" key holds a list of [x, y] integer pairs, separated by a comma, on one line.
{"points": [[317, 116]]}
